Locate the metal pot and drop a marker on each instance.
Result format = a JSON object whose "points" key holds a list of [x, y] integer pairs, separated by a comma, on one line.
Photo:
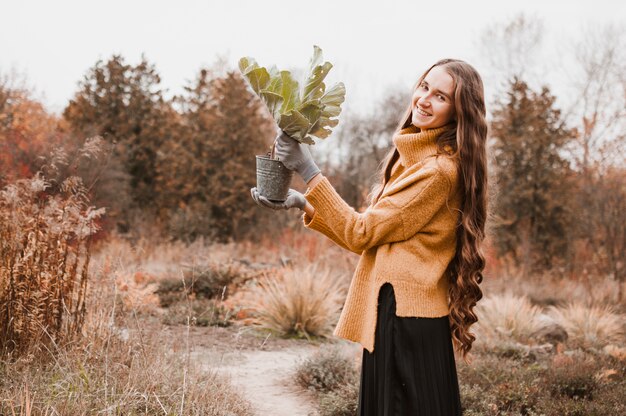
{"points": [[272, 178]]}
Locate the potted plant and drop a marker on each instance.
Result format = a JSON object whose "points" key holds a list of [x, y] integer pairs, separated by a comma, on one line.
{"points": [[301, 112]]}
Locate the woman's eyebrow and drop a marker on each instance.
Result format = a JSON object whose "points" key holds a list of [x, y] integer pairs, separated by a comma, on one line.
{"points": [[439, 91]]}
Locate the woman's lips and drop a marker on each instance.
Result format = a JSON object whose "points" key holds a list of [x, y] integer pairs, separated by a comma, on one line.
{"points": [[422, 112]]}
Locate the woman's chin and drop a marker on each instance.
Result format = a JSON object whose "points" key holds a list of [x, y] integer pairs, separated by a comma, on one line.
{"points": [[420, 124]]}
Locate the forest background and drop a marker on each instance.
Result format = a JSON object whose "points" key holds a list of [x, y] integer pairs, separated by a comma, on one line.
{"points": [[155, 186]]}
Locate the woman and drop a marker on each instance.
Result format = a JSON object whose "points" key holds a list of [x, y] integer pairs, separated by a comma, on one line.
{"points": [[413, 293]]}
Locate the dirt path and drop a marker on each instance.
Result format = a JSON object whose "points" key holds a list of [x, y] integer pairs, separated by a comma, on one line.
{"points": [[266, 377]]}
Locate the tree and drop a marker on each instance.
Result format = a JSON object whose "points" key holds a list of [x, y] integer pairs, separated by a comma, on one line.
{"points": [[206, 175], [27, 132], [532, 214], [511, 49], [361, 144], [599, 100], [124, 104]]}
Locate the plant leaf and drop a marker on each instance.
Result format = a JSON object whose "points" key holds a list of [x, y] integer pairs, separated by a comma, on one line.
{"points": [[272, 92], [295, 125], [273, 102], [246, 64], [331, 107], [314, 86], [321, 129], [258, 78], [289, 92], [311, 110], [333, 98], [316, 59]]}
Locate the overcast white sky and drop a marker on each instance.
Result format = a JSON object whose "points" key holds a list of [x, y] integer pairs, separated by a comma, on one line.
{"points": [[372, 44]]}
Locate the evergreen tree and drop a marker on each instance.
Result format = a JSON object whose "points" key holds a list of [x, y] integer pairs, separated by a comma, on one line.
{"points": [[124, 104], [532, 213], [209, 171]]}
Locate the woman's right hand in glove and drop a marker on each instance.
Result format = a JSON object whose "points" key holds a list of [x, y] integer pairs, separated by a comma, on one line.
{"points": [[295, 156]]}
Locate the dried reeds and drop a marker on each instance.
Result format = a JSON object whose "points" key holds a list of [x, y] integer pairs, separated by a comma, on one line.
{"points": [[44, 259]]}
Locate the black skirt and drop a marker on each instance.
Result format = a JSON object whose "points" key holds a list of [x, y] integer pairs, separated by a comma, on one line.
{"points": [[412, 369]]}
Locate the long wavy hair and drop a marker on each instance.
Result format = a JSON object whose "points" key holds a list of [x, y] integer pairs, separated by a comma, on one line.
{"points": [[467, 139]]}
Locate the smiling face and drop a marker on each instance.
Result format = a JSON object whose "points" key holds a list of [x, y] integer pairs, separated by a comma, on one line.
{"points": [[433, 100]]}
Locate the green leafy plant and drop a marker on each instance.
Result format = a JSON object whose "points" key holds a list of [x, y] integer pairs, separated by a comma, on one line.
{"points": [[301, 112]]}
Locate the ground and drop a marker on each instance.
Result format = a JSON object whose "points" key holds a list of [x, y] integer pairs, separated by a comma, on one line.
{"points": [[260, 364]]}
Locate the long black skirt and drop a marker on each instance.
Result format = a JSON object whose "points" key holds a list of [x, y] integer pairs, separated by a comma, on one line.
{"points": [[412, 371]]}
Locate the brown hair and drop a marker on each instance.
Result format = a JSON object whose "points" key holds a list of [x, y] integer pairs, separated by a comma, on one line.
{"points": [[467, 138]]}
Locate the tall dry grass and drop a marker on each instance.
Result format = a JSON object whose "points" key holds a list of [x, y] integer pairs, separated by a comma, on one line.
{"points": [[506, 317], [590, 326], [553, 287], [118, 369], [302, 301], [44, 261]]}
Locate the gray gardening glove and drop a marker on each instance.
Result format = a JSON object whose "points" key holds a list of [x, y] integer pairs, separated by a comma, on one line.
{"points": [[295, 156], [294, 200]]}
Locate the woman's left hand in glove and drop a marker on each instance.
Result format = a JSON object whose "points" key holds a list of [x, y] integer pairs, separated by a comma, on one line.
{"points": [[294, 200]]}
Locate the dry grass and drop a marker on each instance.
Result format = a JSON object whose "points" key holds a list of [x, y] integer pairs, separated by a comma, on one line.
{"points": [[559, 385], [122, 372], [121, 365], [590, 326], [552, 288], [44, 261], [506, 316], [298, 302]]}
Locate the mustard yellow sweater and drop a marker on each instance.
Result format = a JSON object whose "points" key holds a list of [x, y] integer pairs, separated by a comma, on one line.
{"points": [[407, 237]]}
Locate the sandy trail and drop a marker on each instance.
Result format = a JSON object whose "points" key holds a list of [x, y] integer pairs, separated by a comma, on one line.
{"points": [[266, 378]]}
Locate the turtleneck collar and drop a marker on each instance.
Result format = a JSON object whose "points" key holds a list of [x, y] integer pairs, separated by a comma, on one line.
{"points": [[414, 145]]}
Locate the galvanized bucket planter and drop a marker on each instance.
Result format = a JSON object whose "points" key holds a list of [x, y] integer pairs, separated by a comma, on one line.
{"points": [[272, 177]]}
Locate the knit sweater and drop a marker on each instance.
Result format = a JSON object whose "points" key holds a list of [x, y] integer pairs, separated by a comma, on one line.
{"points": [[406, 237]]}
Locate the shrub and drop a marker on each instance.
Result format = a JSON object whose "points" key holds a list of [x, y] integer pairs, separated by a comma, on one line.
{"points": [[570, 384], [201, 281], [199, 312], [325, 371], [574, 381], [589, 326], [341, 402], [298, 302], [495, 386], [334, 377]]}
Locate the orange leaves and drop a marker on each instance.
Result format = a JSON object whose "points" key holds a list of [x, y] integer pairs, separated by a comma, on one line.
{"points": [[27, 131]]}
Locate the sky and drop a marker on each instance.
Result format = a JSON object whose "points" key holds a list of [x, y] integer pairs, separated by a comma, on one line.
{"points": [[373, 45]]}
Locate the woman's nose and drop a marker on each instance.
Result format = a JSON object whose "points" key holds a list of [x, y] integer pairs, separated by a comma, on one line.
{"points": [[423, 101]]}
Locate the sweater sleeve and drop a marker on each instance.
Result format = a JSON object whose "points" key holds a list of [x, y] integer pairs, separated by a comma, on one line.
{"points": [[405, 208], [317, 223]]}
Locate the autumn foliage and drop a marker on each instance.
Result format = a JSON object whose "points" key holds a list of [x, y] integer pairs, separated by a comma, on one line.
{"points": [[183, 167], [27, 131]]}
